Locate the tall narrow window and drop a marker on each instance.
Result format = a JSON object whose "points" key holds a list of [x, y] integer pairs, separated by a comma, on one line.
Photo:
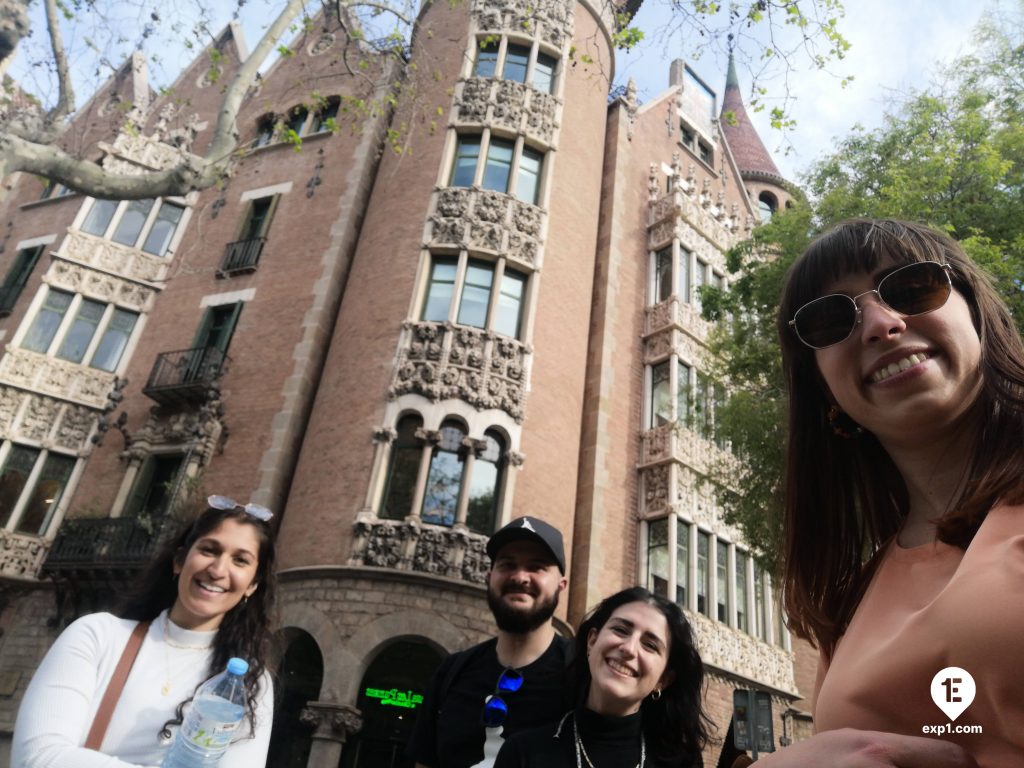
{"points": [[517, 59], [17, 276], [153, 492], [657, 556], [440, 290], [663, 275], [703, 572], [722, 579], [498, 167], [486, 60], [741, 591], [14, 477], [683, 275], [257, 220], [683, 563], [45, 495], [297, 119], [82, 329], [761, 622], [44, 327], [476, 294], [700, 277], [445, 478], [467, 153], [159, 238], [326, 116], [485, 486], [212, 341], [528, 184], [508, 315], [114, 340], [661, 399], [406, 451], [544, 73], [265, 130], [100, 216], [684, 410], [132, 221]]}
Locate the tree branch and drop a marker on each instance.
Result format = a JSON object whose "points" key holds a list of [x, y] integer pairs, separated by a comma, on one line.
{"points": [[66, 101]]}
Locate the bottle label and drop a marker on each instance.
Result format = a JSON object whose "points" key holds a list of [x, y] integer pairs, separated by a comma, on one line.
{"points": [[205, 733]]}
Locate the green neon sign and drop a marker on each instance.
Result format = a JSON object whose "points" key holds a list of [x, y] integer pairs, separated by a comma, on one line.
{"points": [[395, 697]]}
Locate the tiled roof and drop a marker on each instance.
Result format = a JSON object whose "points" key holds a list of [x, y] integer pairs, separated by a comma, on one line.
{"points": [[747, 147]]}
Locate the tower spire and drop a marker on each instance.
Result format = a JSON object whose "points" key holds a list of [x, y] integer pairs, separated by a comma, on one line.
{"points": [[746, 145]]}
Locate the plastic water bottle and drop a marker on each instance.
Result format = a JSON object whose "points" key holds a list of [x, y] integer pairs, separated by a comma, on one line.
{"points": [[217, 710]]}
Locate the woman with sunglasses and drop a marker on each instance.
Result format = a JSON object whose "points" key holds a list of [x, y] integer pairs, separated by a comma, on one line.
{"points": [[638, 680], [206, 598], [904, 550]]}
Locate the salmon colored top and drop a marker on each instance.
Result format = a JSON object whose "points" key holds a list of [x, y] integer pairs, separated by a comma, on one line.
{"points": [[928, 608]]}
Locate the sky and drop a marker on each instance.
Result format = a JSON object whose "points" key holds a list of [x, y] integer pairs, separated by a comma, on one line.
{"points": [[896, 45]]}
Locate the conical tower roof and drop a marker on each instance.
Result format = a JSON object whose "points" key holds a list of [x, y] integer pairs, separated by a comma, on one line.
{"points": [[748, 150]]}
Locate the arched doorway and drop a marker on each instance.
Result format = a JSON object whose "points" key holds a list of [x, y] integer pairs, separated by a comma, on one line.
{"points": [[390, 695], [299, 677]]}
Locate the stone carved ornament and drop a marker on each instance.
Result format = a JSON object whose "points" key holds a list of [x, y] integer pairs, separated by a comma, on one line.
{"points": [[21, 556], [551, 20]]}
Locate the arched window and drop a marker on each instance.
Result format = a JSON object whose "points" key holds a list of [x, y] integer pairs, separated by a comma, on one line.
{"points": [[441, 498], [300, 677], [767, 205], [485, 485], [405, 462]]}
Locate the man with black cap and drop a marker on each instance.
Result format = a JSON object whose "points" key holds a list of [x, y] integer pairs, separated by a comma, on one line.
{"points": [[509, 683]]}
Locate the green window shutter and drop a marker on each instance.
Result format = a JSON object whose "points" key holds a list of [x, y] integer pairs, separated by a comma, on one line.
{"points": [[140, 489]]}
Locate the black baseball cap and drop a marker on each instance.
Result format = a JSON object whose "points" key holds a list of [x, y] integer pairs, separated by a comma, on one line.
{"points": [[533, 529]]}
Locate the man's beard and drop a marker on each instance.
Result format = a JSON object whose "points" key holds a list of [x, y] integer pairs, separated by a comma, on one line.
{"points": [[520, 621]]}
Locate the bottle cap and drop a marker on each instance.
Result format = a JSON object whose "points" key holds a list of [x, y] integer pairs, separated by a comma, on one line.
{"points": [[238, 666]]}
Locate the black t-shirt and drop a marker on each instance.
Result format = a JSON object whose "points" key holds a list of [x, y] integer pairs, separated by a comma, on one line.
{"points": [[448, 731]]}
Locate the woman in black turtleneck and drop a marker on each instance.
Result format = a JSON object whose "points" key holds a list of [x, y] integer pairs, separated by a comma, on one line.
{"points": [[638, 680]]}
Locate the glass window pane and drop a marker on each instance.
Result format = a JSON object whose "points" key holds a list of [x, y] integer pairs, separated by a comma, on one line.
{"points": [[544, 73], [703, 572], [741, 590], [699, 278], [722, 580], [440, 291], [325, 114], [297, 120], [114, 340], [760, 621], [476, 295], [47, 321], [661, 401], [130, 225], [682, 563], [82, 329], [516, 59], [467, 152], [683, 413], [13, 476], [99, 217], [405, 464], [657, 556], [484, 488], [683, 279], [486, 60], [444, 479], [662, 275], [45, 497], [159, 237], [528, 181], [510, 304], [499, 165]]}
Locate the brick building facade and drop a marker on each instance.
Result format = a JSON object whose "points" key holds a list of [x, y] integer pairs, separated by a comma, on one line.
{"points": [[397, 353]]}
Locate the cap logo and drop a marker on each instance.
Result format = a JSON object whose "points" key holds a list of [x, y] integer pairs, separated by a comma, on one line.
{"points": [[527, 526]]}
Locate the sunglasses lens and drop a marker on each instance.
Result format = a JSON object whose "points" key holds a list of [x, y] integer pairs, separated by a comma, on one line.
{"points": [[916, 288], [494, 712], [510, 681], [259, 512], [825, 321], [221, 502]]}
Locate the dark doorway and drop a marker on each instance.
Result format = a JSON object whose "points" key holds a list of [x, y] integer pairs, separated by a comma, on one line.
{"points": [[300, 677], [389, 698]]}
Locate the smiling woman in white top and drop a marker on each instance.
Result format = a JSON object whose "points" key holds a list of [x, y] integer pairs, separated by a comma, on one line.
{"points": [[207, 598]]}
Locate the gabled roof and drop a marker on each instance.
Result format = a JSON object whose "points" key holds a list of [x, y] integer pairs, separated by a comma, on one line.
{"points": [[752, 158]]}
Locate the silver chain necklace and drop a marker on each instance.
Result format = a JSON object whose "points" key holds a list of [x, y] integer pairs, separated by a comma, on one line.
{"points": [[581, 752]]}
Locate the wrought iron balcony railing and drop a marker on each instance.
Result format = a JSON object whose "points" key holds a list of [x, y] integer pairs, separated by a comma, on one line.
{"points": [[241, 256], [186, 375], [103, 544]]}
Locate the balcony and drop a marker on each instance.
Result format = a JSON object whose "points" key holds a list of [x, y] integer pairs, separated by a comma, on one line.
{"points": [[241, 256], [104, 544], [186, 376]]}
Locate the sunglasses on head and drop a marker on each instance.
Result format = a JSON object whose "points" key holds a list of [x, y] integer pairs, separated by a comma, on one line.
{"points": [[495, 707], [915, 289], [225, 504]]}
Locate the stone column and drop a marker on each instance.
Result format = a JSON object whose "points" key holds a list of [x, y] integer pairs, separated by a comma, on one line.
{"points": [[332, 725]]}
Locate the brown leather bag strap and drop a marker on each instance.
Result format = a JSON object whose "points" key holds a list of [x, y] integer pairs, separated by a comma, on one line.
{"points": [[115, 686]]}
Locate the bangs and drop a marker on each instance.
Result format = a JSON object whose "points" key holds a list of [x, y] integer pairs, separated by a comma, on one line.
{"points": [[858, 247]]}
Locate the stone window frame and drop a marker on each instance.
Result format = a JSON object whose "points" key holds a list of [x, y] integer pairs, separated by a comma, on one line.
{"points": [[500, 45], [700, 147], [17, 276], [682, 271], [53, 515], [69, 316], [142, 238], [683, 538], [520, 147], [313, 119], [767, 206], [463, 260], [471, 450]]}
